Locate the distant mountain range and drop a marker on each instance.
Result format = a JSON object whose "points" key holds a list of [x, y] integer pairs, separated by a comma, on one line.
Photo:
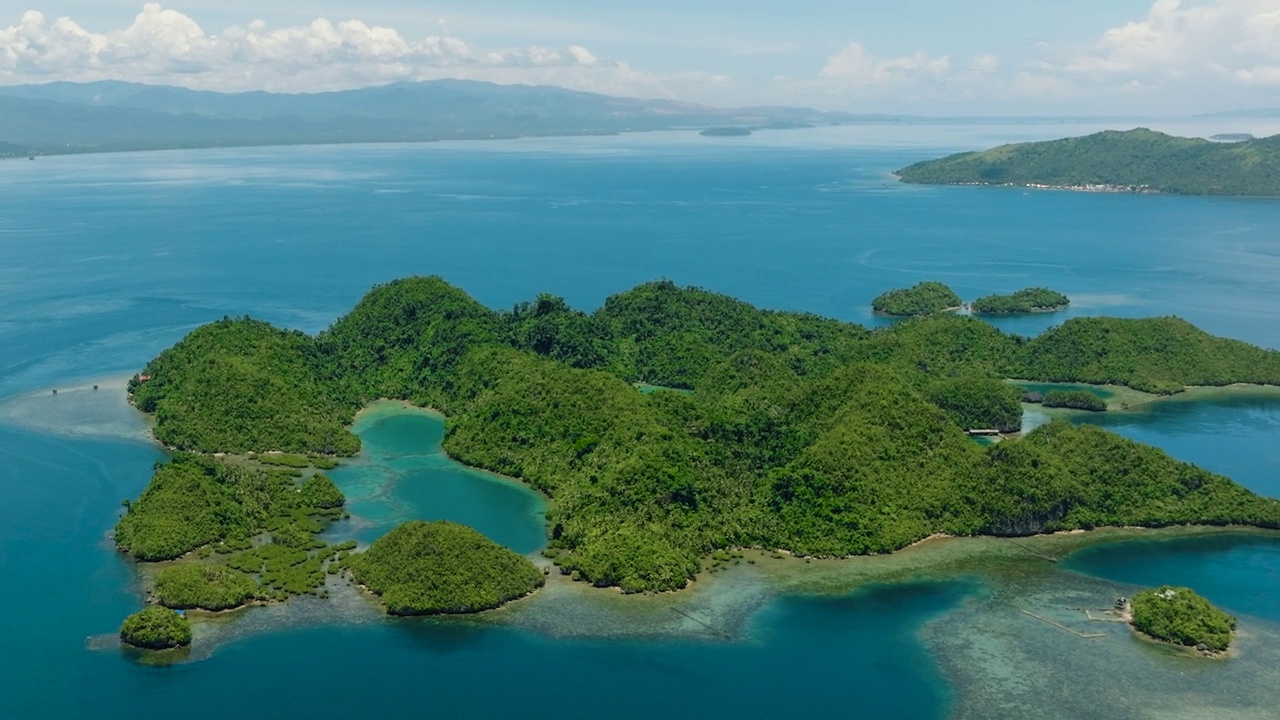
{"points": [[67, 117], [1248, 113], [1137, 160]]}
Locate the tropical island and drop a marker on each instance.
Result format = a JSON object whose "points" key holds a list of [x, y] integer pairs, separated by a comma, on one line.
{"points": [[1179, 616], [726, 132], [1139, 160], [436, 568], [156, 628], [791, 431], [1027, 300], [924, 298]]}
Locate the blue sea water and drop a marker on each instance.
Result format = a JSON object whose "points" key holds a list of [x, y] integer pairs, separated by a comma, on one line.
{"points": [[109, 259]]}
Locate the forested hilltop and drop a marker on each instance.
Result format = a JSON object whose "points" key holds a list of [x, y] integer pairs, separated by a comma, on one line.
{"points": [[797, 432], [1138, 160]]}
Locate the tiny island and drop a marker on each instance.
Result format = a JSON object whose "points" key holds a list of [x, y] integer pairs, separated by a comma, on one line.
{"points": [[931, 297], [1027, 300], [156, 628], [438, 568], [1177, 615], [925, 298], [790, 433]]}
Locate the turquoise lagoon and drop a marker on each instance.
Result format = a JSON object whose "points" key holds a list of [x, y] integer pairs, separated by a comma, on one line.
{"points": [[109, 259]]}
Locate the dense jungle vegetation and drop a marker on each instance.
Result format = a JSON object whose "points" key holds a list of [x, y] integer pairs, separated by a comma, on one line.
{"points": [[796, 432], [1075, 400], [1179, 616], [1140, 159], [243, 533], [422, 568], [1027, 300], [925, 298], [155, 628]]}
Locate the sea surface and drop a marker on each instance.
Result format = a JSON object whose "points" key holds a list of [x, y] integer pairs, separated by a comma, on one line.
{"points": [[109, 259]]}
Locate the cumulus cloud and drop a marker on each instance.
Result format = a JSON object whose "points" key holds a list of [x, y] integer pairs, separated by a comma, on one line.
{"points": [[1180, 55], [856, 67], [163, 45], [1224, 41]]}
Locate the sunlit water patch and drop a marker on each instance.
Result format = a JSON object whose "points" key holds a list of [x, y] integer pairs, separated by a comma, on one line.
{"points": [[90, 408]]}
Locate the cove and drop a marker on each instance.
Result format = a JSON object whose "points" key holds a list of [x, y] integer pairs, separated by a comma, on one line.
{"points": [[403, 474]]}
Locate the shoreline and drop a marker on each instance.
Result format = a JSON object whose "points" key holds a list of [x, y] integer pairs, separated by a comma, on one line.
{"points": [[937, 556], [1123, 399], [1188, 651]]}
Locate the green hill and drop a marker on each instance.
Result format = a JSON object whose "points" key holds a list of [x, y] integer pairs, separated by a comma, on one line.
{"points": [[1158, 355], [1027, 300], [155, 628], [240, 385], [1178, 615], [925, 298], [434, 568], [1138, 159], [794, 431]]}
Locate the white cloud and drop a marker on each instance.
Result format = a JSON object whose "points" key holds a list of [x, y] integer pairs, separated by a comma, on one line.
{"points": [[854, 66], [1191, 55], [1210, 42], [1180, 56], [165, 46]]}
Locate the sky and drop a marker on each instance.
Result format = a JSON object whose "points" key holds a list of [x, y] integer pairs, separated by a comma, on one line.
{"points": [[1009, 57]]}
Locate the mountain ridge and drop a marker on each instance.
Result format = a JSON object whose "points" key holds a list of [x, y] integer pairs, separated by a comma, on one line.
{"points": [[63, 117]]}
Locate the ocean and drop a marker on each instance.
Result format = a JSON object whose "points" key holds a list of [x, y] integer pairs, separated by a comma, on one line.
{"points": [[109, 259]]}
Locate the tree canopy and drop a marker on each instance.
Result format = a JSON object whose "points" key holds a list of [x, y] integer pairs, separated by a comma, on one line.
{"points": [[241, 385], [422, 568], [1179, 616], [795, 432], [194, 501], [925, 298], [155, 628], [1074, 399], [204, 586], [1027, 300]]}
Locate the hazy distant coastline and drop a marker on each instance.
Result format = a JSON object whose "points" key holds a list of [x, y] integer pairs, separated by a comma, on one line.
{"points": [[108, 116]]}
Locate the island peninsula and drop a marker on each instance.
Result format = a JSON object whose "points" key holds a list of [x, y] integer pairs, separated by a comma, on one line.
{"points": [[1138, 160], [793, 431]]}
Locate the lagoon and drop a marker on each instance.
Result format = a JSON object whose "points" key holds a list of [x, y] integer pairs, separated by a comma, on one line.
{"points": [[112, 258]]}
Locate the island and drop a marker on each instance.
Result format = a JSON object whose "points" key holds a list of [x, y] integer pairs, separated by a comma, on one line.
{"points": [[1232, 137], [725, 132], [1074, 400], [1179, 616], [925, 298], [156, 628], [1139, 160], [1027, 300], [436, 568], [793, 432]]}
